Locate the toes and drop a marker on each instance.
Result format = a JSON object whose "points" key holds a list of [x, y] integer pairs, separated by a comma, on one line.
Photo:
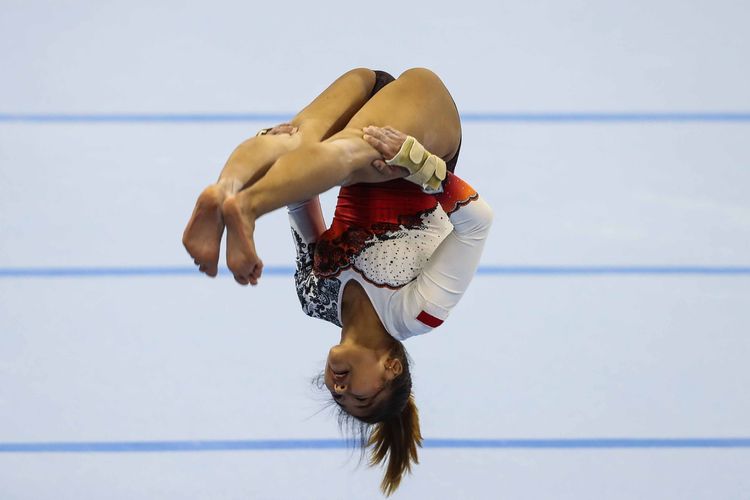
{"points": [[248, 277], [255, 275]]}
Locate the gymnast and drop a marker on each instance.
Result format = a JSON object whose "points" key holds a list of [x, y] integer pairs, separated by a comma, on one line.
{"points": [[403, 246]]}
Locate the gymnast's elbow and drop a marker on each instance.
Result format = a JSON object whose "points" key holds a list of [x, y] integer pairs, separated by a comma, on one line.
{"points": [[477, 225], [485, 214]]}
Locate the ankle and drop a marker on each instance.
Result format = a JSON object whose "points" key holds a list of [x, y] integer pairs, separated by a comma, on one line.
{"points": [[247, 204], [243, 204]]}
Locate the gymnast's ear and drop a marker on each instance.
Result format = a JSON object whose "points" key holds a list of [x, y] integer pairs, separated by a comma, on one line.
{"points": [[393, 368]]}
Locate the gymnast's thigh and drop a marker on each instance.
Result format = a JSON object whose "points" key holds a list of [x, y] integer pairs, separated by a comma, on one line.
{"points": [[336, 105], [418, 104]]}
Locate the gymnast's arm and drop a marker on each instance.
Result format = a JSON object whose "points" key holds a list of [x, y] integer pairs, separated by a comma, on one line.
{"points": [[317, 296], [306, 219], [426, 302]]}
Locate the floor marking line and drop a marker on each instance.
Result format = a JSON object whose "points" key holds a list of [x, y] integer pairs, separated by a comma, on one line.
{"points": [[326, 444], [497, 117], [486, 270]]}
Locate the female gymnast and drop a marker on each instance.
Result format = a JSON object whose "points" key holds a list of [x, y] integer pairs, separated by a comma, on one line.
{"points": [[404, 244]]}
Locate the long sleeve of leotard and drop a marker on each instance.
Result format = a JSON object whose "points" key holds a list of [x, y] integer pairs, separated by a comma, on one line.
{"points": [[318, 297], [426, 302], [306, 219]]}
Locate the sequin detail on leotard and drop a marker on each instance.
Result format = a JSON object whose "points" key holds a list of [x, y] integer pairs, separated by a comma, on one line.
{"points": [[385, 254]]}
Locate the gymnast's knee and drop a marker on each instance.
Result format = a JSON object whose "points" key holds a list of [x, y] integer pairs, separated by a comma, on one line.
{"points": [[361, 76], [366, 73], [421, 73]]}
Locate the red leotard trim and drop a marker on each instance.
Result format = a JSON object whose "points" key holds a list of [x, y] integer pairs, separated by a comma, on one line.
{"points": [[429, 319]]}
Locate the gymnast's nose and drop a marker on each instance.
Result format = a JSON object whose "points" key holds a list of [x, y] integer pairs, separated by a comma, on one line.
{"points": [[339, 387]]}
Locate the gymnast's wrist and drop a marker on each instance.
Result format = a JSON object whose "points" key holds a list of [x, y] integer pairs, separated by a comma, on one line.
{"points": [[426, 169]]}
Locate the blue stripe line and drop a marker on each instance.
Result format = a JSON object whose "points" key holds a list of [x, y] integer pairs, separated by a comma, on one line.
{"points": [[581, 117], [328, 444], [614, 443], [144, 117], [614, 270], [606, 117], [120, 272], [489, 270]]}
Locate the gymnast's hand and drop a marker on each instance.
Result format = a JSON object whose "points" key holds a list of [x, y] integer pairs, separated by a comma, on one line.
{"points": [[387, 141]]}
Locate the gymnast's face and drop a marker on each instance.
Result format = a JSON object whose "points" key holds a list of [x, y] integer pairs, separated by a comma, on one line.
{"points": [[358, 378]]}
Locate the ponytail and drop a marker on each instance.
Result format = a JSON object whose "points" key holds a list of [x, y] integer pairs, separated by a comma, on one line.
{"points": [[396, 439], [391, 430]]}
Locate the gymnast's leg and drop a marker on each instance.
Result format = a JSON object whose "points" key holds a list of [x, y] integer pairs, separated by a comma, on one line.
{"points": [[417, 103], [327, 114]]}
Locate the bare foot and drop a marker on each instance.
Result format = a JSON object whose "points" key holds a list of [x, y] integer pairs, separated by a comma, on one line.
{"points": [[241, 257], [202, 236]]}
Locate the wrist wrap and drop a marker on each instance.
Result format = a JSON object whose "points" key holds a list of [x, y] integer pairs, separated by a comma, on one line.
{"points": [[426, 170]]}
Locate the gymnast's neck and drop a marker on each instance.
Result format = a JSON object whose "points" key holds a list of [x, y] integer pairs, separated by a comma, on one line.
{"points": [[361, 324]]}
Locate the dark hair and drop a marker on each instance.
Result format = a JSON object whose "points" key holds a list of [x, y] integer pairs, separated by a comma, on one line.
{"points": [[391, 430]]}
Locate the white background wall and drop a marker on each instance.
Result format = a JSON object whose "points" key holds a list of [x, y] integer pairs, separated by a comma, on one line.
{"points": [[178, 357]]}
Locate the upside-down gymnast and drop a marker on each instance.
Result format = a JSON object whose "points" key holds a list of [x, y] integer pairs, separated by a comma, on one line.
{"points": [[404, 244]]}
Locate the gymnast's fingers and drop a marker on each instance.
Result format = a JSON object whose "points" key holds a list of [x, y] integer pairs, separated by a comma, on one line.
{"points": [[377, 132], [376, 143], [396, 139], [387, 146], [374, 130], [392, 132]]}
